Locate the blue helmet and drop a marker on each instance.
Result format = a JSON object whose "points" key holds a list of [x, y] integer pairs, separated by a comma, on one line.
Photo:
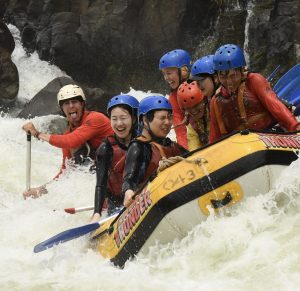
{"points": [[204, 65], [154, 102], [123, 100], [229, 56], [175, 59]]}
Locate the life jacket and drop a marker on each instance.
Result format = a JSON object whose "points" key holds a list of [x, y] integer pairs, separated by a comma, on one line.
{"points": [[240, 111], [115, 174], [85, 155], [158, 152], [201, 127]]}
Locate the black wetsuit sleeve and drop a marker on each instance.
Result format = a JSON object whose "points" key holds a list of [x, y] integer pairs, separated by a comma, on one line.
{"points": [[103, 162], [137, 161], [182, 150]]}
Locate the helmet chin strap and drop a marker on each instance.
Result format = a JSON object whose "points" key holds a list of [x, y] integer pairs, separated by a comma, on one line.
{"points": [[148, 128], [180, 76]]}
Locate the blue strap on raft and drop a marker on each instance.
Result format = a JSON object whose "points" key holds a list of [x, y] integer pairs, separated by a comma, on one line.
{"points": [[288, 88]]}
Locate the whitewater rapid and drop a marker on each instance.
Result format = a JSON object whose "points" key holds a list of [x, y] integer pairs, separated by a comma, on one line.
{"points": [[255, 247]]}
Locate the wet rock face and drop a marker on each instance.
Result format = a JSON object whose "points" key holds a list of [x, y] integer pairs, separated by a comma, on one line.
{"points": [[274, 33], [45, 101], [116, 44], [9, 77]]}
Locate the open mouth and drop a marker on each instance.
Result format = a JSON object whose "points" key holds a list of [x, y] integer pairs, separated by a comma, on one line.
{"points": [[73, 115]]}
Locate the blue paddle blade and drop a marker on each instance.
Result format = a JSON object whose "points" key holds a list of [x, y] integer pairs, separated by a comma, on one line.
{"points": [[292, 74], [65, 236], [288, 88], [72, 233]]}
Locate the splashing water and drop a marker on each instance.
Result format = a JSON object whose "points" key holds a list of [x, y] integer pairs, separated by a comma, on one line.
{"points": [[256, 246]]}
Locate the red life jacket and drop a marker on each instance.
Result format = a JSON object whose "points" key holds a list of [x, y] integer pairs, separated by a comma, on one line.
{"points": [[115, 174], [240, 111], [158, 152]]}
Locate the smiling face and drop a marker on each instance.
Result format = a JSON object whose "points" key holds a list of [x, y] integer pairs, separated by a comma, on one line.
{"points": [[73, 109], [121, 122], [161, 124], [171, 76], [230, 79]]}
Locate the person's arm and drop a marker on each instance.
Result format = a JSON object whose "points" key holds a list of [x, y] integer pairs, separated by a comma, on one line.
{"points": [[272, 103], [90, 128], [103, 163], [214, 131], [136, 163], [178, 118]]}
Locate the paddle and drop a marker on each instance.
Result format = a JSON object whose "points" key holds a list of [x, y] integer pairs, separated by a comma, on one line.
{"points": [[71, 234], [288, 86], [272, 75], [28, 162], [78, 209]]}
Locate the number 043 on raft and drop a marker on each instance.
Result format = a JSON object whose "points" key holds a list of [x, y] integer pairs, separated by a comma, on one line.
{"points": [[211, 179]]}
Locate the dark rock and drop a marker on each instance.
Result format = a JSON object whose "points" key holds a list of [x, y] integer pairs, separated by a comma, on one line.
{"points": [[45, 101], [7, 42], [9, 82], [9, 76], [114, 44]]}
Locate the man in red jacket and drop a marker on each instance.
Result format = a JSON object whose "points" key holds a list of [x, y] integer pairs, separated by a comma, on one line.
{"points": [[244, 100], [86, 131]]}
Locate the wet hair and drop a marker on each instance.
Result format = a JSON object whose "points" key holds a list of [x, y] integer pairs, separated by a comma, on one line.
{"points": [[130, 110]]}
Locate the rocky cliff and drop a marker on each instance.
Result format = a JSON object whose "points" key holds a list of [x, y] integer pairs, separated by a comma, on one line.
{"points": [[115, 44]]}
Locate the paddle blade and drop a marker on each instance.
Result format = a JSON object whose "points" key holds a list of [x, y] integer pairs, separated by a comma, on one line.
{"points": [[70, 210], [65, 236], [292, 74], [78, 209], [71, 234]]}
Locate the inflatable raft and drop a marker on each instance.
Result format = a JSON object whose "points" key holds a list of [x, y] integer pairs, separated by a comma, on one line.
{"points": [[207, 180]]}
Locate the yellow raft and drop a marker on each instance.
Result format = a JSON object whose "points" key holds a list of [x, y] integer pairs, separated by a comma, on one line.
{"points": [[183, 195]]}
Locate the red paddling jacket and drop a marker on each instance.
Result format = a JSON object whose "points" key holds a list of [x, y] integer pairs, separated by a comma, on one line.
{"points": [[93, 128], [254, 106]]}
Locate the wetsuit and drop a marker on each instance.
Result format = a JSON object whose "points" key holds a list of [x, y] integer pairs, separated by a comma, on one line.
{"points": [[178, 117], [110, 162], [255, 106], [142, 160], [93, 128]]}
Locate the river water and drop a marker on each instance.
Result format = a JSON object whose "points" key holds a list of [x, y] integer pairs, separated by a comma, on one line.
{"points": [[255, 247]]}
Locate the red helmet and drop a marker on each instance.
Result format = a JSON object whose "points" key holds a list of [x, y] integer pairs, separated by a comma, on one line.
{"points": [[189, 95]]}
